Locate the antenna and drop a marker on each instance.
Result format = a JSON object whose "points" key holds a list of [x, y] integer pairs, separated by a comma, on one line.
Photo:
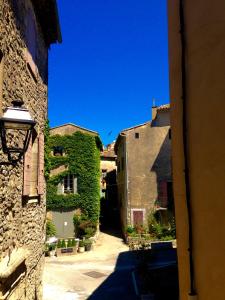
{"points": [[153, 102]]}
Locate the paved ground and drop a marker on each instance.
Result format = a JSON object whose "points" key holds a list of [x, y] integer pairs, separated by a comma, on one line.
{"points": [[104, 273]]}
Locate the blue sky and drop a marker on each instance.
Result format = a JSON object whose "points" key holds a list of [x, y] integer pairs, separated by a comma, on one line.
{"points": [[113, 61]]}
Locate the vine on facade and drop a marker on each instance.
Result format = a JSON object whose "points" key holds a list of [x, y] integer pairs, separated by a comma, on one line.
{"points": [[81, 158]]}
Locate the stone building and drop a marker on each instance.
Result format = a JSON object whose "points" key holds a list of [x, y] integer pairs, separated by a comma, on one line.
{"points": [[197, 92], [144, 169], [108, 164], [109, 202], [63, 218], [27, 30]]}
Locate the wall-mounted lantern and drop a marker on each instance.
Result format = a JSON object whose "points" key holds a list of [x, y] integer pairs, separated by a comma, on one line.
{"points": [[16, 127]]}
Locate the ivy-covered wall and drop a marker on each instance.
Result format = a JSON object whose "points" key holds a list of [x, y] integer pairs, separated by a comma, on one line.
{"points": [[82, 159]]}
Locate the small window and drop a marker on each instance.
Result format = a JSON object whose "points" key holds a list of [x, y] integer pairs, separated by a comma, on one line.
{"points": [[69, 184], [136, 135], [58, 151], [104, 173]]}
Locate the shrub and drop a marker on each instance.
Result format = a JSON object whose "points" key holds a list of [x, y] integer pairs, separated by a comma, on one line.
{"points": [[140, 229], [51, 247], [74, 243], [81, 243], [69, 244], [63, 244], [59, 244], [83, 226], [130, 229], [161, 231], [50, 229]]}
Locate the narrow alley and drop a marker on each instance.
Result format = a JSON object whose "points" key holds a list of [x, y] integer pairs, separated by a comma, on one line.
{"points": [[104, 273]]}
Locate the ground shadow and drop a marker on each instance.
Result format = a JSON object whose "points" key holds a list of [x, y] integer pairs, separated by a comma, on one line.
{"points": [[146, 272], [119, 285]]}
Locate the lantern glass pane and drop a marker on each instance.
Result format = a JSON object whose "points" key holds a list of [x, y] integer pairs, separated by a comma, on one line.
{"points": [[17, 126]]}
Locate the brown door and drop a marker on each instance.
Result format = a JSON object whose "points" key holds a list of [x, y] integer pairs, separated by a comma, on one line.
{"points": [[138, 217]]}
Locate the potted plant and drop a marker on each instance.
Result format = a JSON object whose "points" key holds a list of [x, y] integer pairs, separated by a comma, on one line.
{"points": [[81, 248], [52, 249], [87, 244], [74, 244]]}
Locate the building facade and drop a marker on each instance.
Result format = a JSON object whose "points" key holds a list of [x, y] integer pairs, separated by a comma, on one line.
{"points": [[143, 169], [75, 160], [108, 164], [109, 217], [197, 72], [27, 30]]}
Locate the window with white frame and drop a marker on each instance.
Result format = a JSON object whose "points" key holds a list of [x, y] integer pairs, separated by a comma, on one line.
{"points": [[68, 185]]}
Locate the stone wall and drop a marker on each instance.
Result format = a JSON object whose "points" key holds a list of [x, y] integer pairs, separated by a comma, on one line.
{"points": [[22, 220]]}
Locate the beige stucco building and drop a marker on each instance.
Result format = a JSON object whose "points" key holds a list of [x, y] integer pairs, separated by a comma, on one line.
{"points": [[197, 91], [143, 168], [27, 29]]}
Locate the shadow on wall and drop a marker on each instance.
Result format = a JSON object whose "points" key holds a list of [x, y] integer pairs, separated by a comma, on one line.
{"points": [[109, 215], [37, 54], [162, 169]]}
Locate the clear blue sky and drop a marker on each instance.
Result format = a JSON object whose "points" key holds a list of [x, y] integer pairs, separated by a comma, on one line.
{"points": [[112, 62]]}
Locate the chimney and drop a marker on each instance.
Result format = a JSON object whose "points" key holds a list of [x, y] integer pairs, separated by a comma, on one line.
{"points": [[154, 112]]}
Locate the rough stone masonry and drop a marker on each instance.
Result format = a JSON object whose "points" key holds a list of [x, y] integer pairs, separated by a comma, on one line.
{"points": [[23, 76]]}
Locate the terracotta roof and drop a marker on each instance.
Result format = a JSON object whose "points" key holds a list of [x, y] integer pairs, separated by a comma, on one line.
{"points": [[108, 153], [137, 126], [163, 107], [123, 133]]}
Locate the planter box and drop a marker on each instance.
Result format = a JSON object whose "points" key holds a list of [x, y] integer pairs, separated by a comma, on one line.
{"points": [[66, 251], [81, 249], [88, 247]]}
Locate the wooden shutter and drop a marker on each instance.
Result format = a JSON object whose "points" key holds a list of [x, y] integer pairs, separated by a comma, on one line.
{"points": [[74, 185], [60, 189], [163, 195], [41, 179], [27, 170]]}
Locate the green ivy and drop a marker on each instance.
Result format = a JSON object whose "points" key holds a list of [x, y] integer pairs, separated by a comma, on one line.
{"points": [[82, 159], [47, 150]]}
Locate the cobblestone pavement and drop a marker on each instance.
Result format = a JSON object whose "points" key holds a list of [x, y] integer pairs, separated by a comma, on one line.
{"points": [[104, 273]]}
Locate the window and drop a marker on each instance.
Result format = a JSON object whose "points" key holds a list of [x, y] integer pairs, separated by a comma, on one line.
{"points": [[137, 217], [104, 173], [136, 135], [58, 151], [163, 194], [68, 185]]}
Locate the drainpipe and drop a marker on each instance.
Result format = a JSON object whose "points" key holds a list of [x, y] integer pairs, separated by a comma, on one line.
{"points": [[128, 208], [192, 292]]}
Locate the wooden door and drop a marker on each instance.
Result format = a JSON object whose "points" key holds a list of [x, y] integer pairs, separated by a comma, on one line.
{"points": [[138, 217]]}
